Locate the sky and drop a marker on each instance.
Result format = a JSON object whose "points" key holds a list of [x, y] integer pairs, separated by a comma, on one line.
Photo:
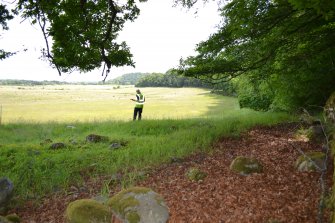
{"points": [[158, 38]]}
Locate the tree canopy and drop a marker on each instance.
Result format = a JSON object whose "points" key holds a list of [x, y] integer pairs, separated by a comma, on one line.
{"points": [[5, 15], [284, 48], [278, 53], [81, 34]]}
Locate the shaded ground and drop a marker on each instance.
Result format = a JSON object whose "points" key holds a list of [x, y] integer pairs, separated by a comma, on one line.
{"points": [[280, 193]]}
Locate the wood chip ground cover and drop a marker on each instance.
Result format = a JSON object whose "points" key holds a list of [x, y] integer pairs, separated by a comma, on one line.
{"points": [[279, 194]]}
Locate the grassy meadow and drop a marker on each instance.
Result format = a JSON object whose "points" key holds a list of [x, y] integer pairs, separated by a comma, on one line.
{"points": [[176, 123], [66, 103]]}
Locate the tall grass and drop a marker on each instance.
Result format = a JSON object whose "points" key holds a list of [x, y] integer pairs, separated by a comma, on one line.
{"points": [[68, 104], [177, 122], [26, 157]]}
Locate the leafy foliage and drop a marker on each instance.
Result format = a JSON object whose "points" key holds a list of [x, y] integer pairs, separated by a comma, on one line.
{"points": [[169, 80], [287, 45], [83, 32], [5, 15]]}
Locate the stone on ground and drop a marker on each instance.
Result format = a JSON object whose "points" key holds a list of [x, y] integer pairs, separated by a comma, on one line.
{"points": [[93, 138], [139, 205], [246, 165], [6, 191], [194, 174], [87, 211], [57, 145], [308, 162]]}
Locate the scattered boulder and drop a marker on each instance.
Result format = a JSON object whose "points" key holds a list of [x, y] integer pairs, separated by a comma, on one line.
{"points": [[87, 211], [4, 220], [6, 191], [13, 218], [176, 160], [330, 108], [194, 174], [93, 138], [308, 162], [118, 143], [115, 145], [139, 205], [102, 199], [57, 145], [246, 165]]}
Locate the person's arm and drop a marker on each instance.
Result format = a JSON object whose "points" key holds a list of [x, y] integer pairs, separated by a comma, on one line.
{"points": [[137, 99]]}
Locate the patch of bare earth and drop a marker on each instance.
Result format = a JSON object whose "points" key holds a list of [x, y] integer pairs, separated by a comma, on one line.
{"points": [[279, 193]]}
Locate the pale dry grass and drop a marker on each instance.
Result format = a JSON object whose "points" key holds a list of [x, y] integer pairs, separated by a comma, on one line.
{"points": [[70, 103]]}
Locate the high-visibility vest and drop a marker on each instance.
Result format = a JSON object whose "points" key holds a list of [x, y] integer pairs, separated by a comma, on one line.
{"points": [[140, 100]]}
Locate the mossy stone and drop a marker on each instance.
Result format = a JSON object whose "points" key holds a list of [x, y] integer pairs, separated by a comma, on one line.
{"points": [[4, 220], [308, 163], [246, 165], [93, 138], [194, 174], [13, 218], [58, 145], [139, 205], [132, 217], [87, 211]]}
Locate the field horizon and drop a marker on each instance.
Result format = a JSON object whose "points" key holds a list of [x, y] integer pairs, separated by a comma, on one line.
{"points": [[176, 123], [91, 103]]}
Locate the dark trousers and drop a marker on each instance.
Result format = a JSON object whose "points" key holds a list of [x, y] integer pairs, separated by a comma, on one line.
{"points": [[139, 112]]}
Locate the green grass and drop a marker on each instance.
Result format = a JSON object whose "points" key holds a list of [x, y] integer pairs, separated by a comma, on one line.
{"points": [[36, 170], [95, 103]]}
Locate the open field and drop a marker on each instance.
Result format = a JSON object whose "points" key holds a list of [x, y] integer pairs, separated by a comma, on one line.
{"points": [[177, 122], [88, 103]]}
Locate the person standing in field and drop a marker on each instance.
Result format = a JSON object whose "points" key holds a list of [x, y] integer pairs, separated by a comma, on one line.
{"points": [[140, 99]]}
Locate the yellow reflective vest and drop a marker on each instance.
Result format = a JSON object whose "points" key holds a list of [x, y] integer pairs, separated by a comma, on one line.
{"points": [[140, 99]]}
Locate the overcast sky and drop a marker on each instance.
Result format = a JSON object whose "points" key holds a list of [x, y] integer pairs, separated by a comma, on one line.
{"points": [[160, 36]]}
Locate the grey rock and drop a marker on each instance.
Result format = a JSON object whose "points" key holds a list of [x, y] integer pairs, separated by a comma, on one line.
{"points": [[246, 165], [6, 191], [139, 204], [87, 211], [57, 145], [176, 160], [312, 161], [115, 145], [101, 199], [93, 138], [195, 174], [4, 220]]}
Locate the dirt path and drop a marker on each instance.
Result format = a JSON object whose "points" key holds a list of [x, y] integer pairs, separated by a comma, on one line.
{"points": [[279, 194]]}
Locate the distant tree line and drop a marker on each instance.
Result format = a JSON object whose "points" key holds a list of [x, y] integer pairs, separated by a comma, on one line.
{"points": [[141, 80], [36, 83], [30, 82], [127, 79], [170, 80]]}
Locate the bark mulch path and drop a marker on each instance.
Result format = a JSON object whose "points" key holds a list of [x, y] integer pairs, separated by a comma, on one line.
{"points": [[279, 194]]}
